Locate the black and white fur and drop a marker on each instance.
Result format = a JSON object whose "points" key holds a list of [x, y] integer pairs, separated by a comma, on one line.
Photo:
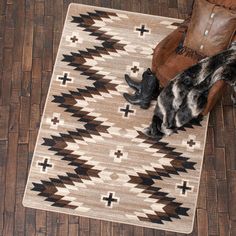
{"points": [[185, 97]]}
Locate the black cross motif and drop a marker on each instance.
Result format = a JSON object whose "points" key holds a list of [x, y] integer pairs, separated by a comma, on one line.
{"points": [[110, 199], [45, 164], [65, 79], [126, 110], [135, 69], [74, 39], [118, 154], [142, 30], [184, 187], [55, 120], [191, 143]]}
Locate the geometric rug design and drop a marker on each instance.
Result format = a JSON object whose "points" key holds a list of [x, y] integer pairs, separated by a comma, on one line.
{"points": [[92, 158]]}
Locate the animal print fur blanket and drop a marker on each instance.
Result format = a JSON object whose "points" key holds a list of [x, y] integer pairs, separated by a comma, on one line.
{"points": [[185, 97]]}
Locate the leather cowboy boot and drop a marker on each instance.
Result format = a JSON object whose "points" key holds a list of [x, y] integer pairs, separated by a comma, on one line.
{"points": [[137, 85], [146, 90], [132, 84]]}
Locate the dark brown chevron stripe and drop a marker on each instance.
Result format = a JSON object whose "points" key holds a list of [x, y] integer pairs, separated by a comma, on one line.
{"points": [[48, 190], [87, 22], [92, 124]]}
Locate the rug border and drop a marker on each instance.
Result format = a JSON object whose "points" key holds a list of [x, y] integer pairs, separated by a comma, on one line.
{"points": [[24, 202]]}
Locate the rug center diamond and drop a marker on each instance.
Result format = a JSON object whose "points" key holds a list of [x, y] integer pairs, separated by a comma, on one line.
{"points": [[91, 158]]}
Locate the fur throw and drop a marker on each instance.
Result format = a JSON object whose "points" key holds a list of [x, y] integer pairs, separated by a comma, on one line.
{"points": [[185, 97]]}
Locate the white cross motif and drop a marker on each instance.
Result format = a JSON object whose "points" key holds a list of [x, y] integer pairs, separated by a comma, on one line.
{"points": [[135, 69], [118, 154], [55, 120], [142, 30], [184, 188], [191, 143], [74, 39], [110, 199], [64, 79]]}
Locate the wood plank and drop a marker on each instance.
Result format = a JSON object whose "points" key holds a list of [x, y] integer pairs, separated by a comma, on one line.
{"points": [[16, 83], [56, 42], [210, 145], [38, 41], [226, 100], [9, 38], [19, 12], [32, 141], [220, 163], [1, 65], [26, 84], [228, 117], [36, 81], [2, 27], [222, 195], [52, 221], [35, 117], [24, 120], [39, 11], [218, 133], [136, 5], [9, 11], [138, 231], [3, 7], [232, 228], [116, 229], [10, 182], [201, 203], [128, 230], [232, 194], [125, 5], [202, 222], [74, 225], [48, 44], [173, 4], [230, 150], [148, 232], [224, 227], [30, 222], [6, 87], [95, 227], [46, 78], [58, 16], [28, 37], [195, 228], [83, 226], [62, 225], [7, 62], [106, 228], [22, 161], [4, 120], [158, 233], [49, 7], [40, 223], [212, 202], [167, 233], [3, 160], [115, 4]]}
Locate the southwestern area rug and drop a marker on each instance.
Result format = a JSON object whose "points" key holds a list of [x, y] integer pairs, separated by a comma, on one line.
{"points": [[91, 157]]}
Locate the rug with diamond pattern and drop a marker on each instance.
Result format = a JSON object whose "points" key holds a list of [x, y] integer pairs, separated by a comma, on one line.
{"points": [[91, 157]]}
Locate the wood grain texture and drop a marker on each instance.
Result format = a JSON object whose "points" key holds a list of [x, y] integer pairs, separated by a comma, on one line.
{"points": [[24, 81]]}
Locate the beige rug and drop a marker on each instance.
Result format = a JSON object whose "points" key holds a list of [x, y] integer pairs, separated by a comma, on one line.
{"points": [[91, 158]]}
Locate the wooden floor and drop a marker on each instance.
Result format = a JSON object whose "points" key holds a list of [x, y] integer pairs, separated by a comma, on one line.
{"points": [[29, 36]]}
